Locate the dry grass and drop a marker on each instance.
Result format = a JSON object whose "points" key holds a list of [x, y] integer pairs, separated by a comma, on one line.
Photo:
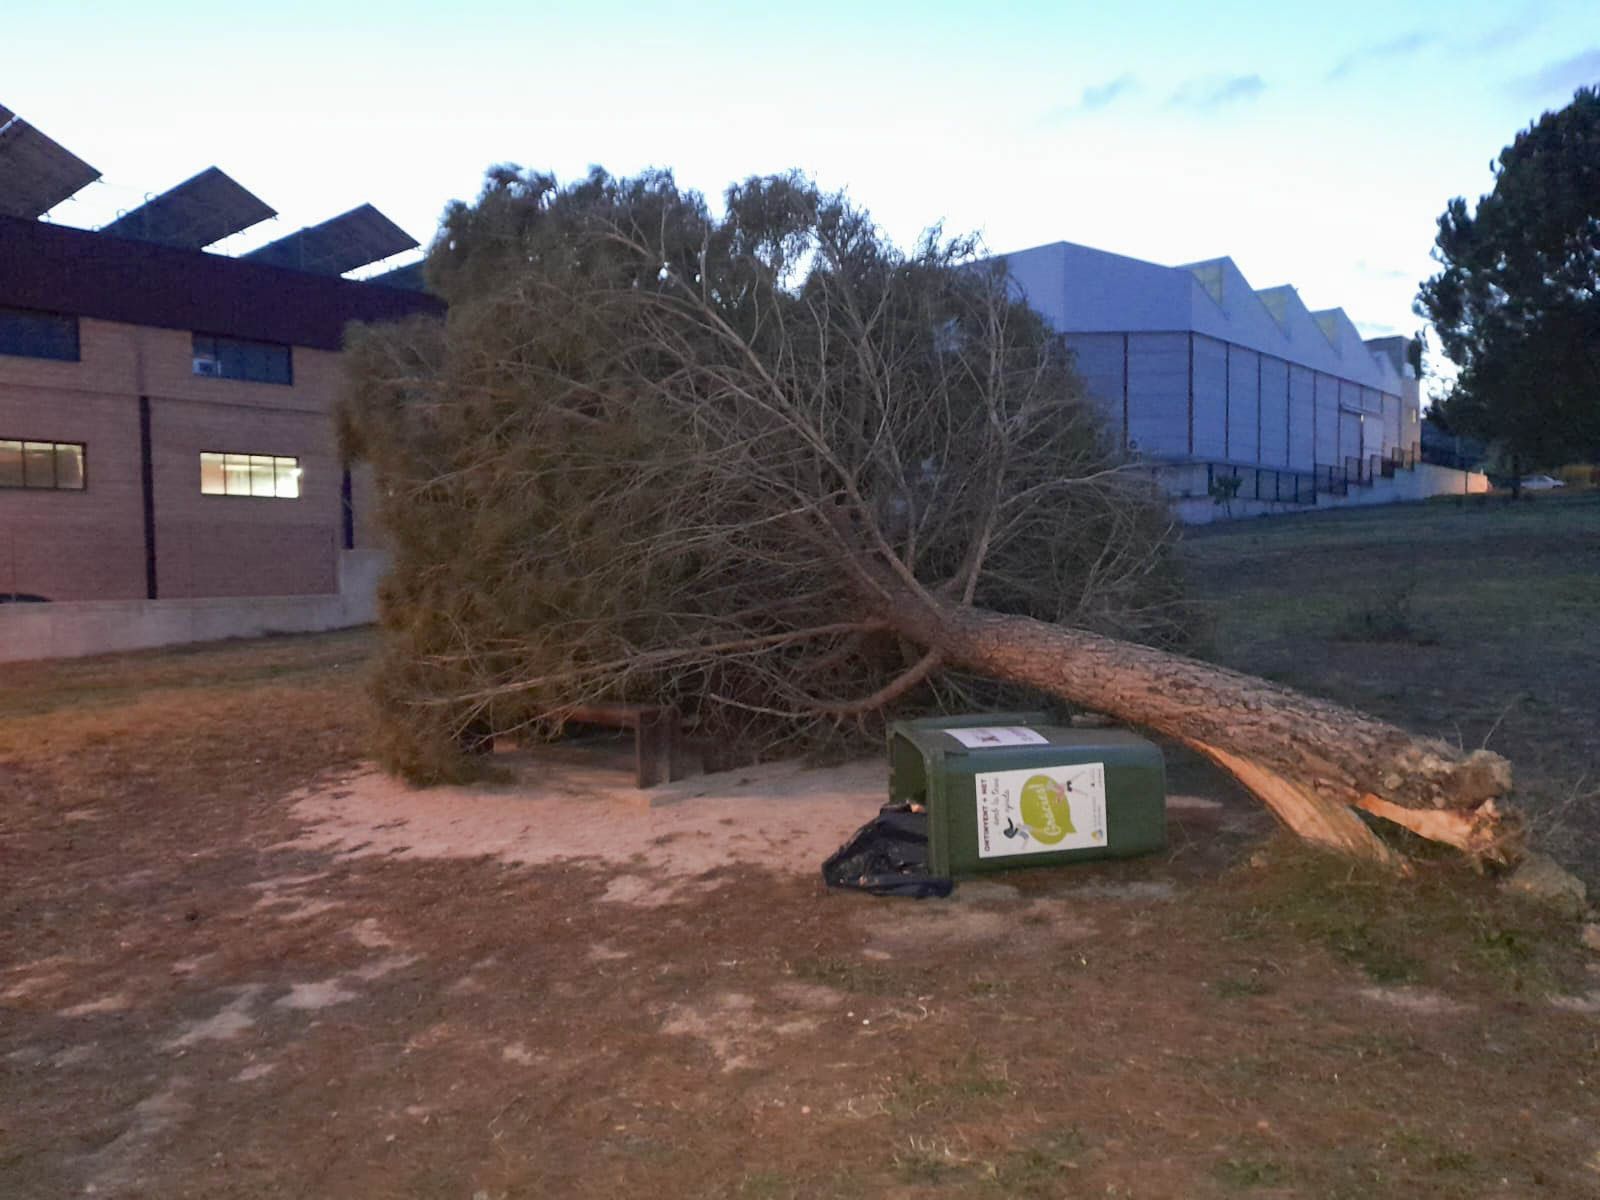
{"points": [[241, 718], [1304, 1029]]}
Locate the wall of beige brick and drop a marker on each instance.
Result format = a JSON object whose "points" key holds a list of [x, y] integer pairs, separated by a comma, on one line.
{"points": [[75, 544], [90, 545], [243, 545]]}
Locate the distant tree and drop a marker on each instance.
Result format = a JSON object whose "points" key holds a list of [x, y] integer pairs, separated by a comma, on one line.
{"points": [[1517, 304], [1417, 351]]}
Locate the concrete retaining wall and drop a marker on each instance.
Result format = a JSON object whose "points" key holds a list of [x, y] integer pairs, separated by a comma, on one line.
{"points": [[1422, 482], [71, 629]]}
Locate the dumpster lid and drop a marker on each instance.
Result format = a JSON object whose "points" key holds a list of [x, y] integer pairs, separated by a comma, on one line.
{"points": [[985, 736], [1003, 736]]}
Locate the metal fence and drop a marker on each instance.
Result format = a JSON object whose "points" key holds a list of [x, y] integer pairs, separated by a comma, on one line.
{"points": [[1300, 487], [1404, 458], [1264, 483], [1358, 470], [1440, 457]]}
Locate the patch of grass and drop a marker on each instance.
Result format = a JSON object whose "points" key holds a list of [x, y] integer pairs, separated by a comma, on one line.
{"points": [[81, 684], [1408, 1163], [1509, 589], [1544, 613], [929, 1160], [1248, 614], [1427, 1153], [190, 727], [1454, 1160], [1243, 1173], [1242, 1070], [1037, 1169], [781, 1185], [1346, 916], [1417, 527], [1388, 617], [768, 1185], [982, 1087], [1234, 988], [1442, 926], [952, 1092], [863, 979], [1382, 1046], [989, 988]]}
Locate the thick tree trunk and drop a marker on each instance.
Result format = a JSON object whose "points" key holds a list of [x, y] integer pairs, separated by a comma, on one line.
{"points": [[1314, 763]]}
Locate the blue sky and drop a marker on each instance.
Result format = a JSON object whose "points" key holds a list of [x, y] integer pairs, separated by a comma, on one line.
{"points": [[1315, 144]]}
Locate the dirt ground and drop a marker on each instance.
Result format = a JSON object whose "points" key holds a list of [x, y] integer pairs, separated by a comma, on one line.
{"points": [[235, 961]]}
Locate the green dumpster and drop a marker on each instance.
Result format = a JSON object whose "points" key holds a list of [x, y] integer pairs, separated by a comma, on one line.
{"points": [[1006, 790]]}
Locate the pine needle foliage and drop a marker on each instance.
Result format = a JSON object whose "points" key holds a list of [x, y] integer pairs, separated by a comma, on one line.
{"points": [[661, 455]]}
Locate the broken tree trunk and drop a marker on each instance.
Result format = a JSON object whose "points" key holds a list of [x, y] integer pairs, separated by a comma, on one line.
{"points": [[1312, 762]]}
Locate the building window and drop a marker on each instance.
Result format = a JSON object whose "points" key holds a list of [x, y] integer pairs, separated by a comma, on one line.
{"points": [[38, 334], [231, 358], [272, 476], [58, 466]]}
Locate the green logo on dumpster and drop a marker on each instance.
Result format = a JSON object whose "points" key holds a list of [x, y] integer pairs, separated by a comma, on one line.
{"points": [[1045, 811]]}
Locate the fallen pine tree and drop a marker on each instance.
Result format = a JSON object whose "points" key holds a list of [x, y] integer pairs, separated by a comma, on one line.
{"points": [[1312, 762], [770, 469]]}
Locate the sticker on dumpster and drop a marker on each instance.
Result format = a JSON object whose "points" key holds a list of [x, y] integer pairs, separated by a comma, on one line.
{"points": [[981, 736], [1041, 810]]}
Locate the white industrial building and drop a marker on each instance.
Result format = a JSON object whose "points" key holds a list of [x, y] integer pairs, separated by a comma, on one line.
{"points": [[1205, 377]]}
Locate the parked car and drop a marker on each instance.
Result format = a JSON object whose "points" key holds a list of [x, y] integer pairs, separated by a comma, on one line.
{"points": [[1541, 483]]}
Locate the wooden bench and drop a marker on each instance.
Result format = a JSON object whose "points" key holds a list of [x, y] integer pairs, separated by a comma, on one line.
{"points": [[656, 731]]}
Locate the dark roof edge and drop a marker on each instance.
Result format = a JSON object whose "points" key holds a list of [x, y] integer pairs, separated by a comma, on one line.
{"points": [[56, 268]]}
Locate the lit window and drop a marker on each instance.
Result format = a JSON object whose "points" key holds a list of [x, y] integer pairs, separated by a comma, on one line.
{"points": [[38, 334], [231, 358], [52, 465], [273, 476]]}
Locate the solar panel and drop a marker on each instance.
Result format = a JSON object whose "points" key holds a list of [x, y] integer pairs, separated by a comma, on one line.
{"points": [[203, 209], [36, 172], [409, 277], [353, 239]]}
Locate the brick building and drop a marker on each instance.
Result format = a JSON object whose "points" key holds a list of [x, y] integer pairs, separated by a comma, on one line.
{"points": [[166, 421]]}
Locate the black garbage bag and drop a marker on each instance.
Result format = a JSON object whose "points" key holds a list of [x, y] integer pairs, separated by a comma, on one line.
{"points": [[888, 856]]}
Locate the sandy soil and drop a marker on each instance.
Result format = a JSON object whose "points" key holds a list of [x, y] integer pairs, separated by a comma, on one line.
{"points": [[569, 805]]}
